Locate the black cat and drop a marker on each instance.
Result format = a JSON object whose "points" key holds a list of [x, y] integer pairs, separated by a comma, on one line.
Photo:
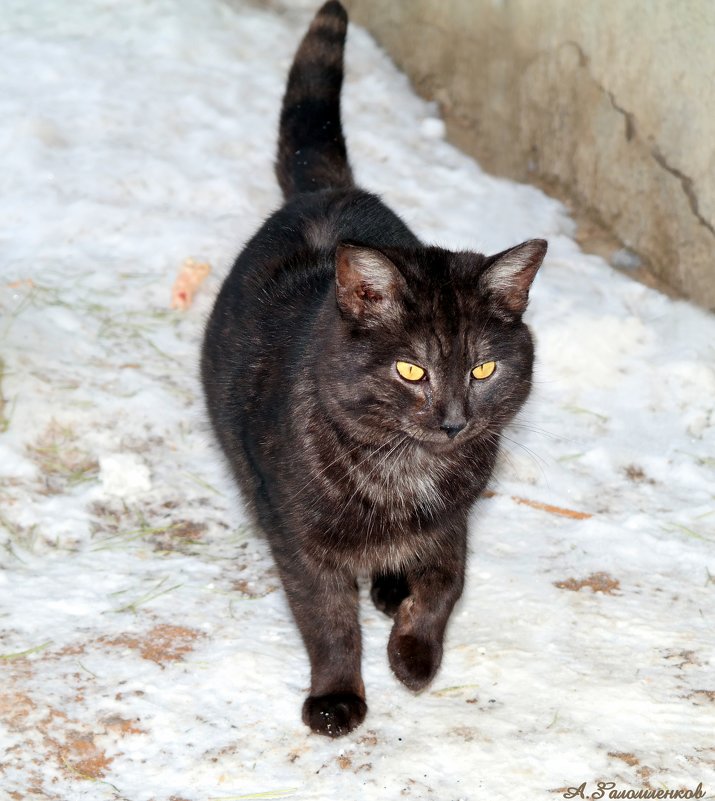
{"points": [[358, 382]]}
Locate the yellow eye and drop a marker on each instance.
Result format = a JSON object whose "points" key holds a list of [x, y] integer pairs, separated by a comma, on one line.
{"points": [[410, 372], [482, 371]]}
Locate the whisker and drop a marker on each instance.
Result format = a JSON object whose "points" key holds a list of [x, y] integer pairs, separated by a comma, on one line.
{"points": [[537, 430], [538, 460]]}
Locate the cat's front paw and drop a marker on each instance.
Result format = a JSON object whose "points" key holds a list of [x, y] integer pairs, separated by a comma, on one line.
{"points": [[413, 660], [335, 714]]}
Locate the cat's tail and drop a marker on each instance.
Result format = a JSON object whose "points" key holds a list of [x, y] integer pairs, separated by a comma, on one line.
{"points": [[311, 147]]}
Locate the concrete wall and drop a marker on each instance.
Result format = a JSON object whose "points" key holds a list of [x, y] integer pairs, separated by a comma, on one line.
{"points": [[610, 103]]}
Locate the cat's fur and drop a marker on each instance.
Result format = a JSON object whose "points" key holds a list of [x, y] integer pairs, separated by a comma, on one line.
{"points": [[348, 468]]}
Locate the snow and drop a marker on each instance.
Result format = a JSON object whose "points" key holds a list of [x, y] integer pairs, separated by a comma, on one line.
{"points": [[123, 474], [147, 651]]}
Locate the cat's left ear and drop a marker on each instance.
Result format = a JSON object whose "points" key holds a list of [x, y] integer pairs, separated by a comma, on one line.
{"points": [[508, 275], [368, 286]]}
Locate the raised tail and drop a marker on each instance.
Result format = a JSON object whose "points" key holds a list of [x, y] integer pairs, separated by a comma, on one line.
{"points": [[311, 148]]}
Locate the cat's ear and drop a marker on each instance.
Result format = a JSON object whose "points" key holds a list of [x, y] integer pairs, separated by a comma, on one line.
{"points": [[508, 275], [368, 286]]}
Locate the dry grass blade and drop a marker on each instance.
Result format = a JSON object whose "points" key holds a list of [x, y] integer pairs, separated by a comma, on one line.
{"points": [[125, 537], [264, 794], [688, 531], [573, 514], [554, 510], [152, 595], [452, 690], [205, 484], [22, 654]]}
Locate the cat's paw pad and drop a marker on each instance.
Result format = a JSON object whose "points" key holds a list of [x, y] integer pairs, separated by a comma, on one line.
{"points": [[388, 592], [335, 714], [414, 660]]}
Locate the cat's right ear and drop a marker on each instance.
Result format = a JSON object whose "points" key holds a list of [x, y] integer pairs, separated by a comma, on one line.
{"points": [[368, 286]]}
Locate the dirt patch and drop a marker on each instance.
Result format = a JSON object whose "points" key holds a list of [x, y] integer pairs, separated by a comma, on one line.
{"points": [[685, 658], [110, 516], [297, 753], [83, 757], [644, 774], [122, 726], [76, 649], [132, 694], [51, 736], [596, 582], [179, 536], [636, 474], [248, 590], [368, 739], [629, 759], [466, 733], [116, 526], [701, 697], [60, 460], [15, 707], [162, 644]]}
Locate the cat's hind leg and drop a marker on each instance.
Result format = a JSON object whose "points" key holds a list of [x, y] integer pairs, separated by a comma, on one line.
{"points": [[388, 591]]}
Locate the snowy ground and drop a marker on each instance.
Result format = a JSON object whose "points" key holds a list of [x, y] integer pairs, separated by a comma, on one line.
{"points": [[146, 649]]}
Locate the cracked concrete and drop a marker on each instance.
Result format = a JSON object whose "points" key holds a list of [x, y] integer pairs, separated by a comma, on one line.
{"points": [[606, 107], [687, 184]]}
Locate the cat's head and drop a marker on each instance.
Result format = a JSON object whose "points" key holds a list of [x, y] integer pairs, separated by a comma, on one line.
{"points": [[431, 343]]}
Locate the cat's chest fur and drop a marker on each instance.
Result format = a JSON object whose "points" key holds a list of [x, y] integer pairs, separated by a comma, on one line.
{"points": [[380, 506]]}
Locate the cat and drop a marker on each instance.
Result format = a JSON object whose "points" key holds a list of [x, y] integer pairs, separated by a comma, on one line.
{"points": [[358, 382]]}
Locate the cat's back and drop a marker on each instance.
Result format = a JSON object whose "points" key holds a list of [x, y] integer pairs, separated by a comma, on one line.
{"points": [[261, 331], [307, 225], [279, 280]]}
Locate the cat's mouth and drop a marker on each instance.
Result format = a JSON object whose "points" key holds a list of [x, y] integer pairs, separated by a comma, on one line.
{"points": [[439, 441], [434, 440]]}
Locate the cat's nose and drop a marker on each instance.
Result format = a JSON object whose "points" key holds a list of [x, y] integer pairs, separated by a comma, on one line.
{"points": [[452, 427]]}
